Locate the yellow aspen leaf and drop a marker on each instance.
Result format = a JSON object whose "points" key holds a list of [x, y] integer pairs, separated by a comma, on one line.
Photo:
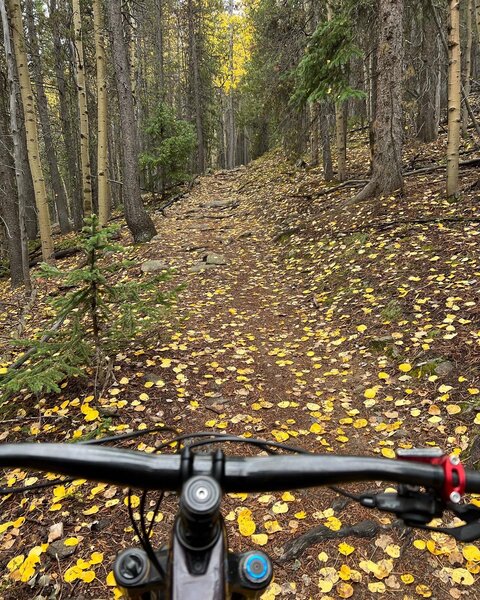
{"points": [[325, 586], [87, 576], [453, 409], [144, 397], [16, 561], [124, 381], [96, 558], [333, 523], [383, 375], [405, 367], [393, 550], [265, 499], [55, 507], [323, 557], [134, 501], [280, 435], [272, 526], [301, 515], [91, 511], [420, 544], [71, 541], [344, 590], [149, 384], [280, 508], [443, 389], [360, 423], [377, 587], [388, 453], [370, 393], [288, 497], [361, 329], [407, 578], [260, 538], [345, 572], [471, 553], [345, 549], [246, 525], [313, 406], [473, 391], [462, 577], [423, 590], [113, 502], [111, 579], [72, 574], [316, 428]]}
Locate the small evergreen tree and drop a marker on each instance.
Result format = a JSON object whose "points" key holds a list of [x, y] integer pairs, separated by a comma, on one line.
{"points": [[322, 73], [172, 142], [91, 320]]}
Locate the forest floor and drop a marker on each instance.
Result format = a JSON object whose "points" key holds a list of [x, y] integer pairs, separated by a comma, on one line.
{"points": [[335, 327]]}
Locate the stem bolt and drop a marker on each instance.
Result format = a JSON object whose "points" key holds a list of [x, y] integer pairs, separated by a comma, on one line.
{"points": [[455, 497]]}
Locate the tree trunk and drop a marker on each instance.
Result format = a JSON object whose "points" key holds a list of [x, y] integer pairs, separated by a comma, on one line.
{"points": [[197, 87], [33, 148], [159, 63], [387, 128], [340, 127], [69, 138], [102, 124], [454, 99], [468, 61], [315, 134], [326, 147], [60, 198], [25, 192], [82, 109], [428, 116], [9, 202], [138, 221]]}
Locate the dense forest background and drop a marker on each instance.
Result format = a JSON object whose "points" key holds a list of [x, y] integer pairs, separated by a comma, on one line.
{"points": [[104, 101]]}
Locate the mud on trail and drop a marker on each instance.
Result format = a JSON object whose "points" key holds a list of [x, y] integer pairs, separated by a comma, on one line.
{"points": [[336, 328]]}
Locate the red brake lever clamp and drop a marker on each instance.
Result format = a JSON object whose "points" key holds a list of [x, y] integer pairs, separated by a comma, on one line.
{"points": [[453, 470]]}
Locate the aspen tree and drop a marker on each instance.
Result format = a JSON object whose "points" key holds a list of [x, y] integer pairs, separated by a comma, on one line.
{"points": [[102, 141], [454, 99], [82, 108], [33, 148]]}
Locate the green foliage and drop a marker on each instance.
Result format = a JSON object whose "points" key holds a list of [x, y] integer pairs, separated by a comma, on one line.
{"points": [[323, 71], [94, 318], [172, 142]]}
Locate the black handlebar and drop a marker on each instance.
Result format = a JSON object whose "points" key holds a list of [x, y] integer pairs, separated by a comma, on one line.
{"points": [[234, 473]]}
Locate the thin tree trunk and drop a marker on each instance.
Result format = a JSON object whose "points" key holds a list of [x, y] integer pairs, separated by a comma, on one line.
{"points": [[102, 124], [9, 201], [60, 198], [159, 62], [24, 187], [468, 61], [195, 66], [138, 220], [69, 139], [340, 127], [326, 147], [82, 109], [454, 99], [388, 131], [428, 116], [315, 134], [33, 149]]}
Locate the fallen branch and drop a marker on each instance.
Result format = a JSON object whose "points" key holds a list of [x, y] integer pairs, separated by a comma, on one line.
{"points": [[57, 254], [474, 162], [365, 529]]}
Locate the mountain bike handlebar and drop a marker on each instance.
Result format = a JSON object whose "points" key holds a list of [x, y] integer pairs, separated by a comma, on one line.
{"points": [[233, 473]]}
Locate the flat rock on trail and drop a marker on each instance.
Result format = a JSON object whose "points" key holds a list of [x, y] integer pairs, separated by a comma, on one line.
{"points": [[313, 325]]}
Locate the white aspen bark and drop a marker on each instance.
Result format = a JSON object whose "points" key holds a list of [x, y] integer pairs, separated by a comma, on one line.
{"points": [[102, 106], [82, 108], [33, 148], [454, 99]]}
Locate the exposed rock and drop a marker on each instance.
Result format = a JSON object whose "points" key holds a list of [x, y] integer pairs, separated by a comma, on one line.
{"points": [[214, 259], [58, 549], [153, 266], [201, 266], [444, 368]]}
